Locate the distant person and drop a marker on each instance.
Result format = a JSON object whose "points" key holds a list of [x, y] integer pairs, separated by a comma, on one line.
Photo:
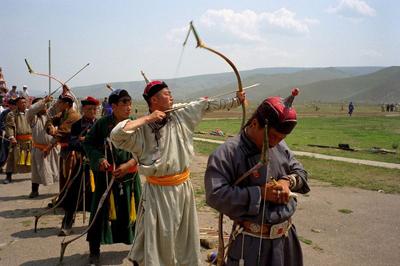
{"points": [[392, 107], [12, 94], [351, 108], [387, 107], [4, 143], [105, 107], [24, 93], [19, 133]]}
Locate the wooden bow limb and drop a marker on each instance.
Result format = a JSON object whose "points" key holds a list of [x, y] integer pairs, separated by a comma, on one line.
{"points": [[108, 86], [42, 74], [66, 188]]}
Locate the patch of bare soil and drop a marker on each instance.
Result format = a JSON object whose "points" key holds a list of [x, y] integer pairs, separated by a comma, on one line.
{"points": [[338, 226]]}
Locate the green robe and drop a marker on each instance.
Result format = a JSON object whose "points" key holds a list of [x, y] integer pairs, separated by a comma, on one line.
{"points": [[104, 230]]}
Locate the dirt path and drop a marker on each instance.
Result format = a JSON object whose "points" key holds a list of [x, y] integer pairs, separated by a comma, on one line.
{"points": [[368, 235]]}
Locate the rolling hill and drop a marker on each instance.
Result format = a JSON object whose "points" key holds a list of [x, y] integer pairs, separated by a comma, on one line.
{"points": [[331, 84]]}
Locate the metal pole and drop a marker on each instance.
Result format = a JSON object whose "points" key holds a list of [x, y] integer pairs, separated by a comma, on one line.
{"points": [[49, 66]]}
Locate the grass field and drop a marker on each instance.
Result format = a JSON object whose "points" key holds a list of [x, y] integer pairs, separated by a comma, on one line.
{"points": [[362, 133], [338, 173]]}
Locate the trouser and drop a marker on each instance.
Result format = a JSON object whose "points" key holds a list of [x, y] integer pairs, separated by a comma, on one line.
{"points": [[94, 247], [35, 187], [68, 219]]}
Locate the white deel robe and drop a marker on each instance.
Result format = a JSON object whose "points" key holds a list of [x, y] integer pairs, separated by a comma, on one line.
{"points": [[44, 170], [167, 231]]}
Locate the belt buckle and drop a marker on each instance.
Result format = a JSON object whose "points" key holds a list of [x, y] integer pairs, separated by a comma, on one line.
{"points": [[278, 230], [255, 228]]}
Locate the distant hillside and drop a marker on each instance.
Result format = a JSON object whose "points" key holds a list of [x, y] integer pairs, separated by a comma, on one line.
{"points": [[382, 86], [272, 80]]}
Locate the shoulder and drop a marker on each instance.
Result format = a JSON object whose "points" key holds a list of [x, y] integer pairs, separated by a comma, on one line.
{"points": [[228, 148]]}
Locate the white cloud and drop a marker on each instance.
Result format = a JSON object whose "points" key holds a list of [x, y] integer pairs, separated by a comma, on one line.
{"points": [[350, 8], [250, 25]]}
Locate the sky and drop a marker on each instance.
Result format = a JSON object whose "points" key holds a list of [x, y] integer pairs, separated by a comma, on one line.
{"points": [[120, 37]]}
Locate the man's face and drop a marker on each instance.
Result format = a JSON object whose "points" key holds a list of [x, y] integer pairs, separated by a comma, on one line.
{"points": [[89, 111], [274, 137], [62, 106], [21, 105], [162, 100], [122, 109]]}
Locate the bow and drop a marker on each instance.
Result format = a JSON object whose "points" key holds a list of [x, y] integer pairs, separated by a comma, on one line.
{"points": [[201, 44], [30, 70]]}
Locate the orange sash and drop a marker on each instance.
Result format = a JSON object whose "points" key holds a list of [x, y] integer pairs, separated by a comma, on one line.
{"points": [[23, 137], [41, 147], [169, 180]]}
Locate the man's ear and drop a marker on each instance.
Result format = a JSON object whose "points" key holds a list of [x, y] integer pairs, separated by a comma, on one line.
{"points": [[254, 123]]}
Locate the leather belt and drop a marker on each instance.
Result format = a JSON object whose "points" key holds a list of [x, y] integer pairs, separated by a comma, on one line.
{"points": [[268, 231]]}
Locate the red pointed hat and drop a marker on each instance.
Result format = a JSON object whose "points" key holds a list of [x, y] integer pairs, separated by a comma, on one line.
{"points": [[279, 112], [90, 101], [152, 88]]}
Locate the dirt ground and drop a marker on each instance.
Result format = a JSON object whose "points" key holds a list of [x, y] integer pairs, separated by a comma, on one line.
{"points": [[338, 226]]}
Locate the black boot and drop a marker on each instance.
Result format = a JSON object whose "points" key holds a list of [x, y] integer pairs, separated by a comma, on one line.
{"points": [[35, 191], [8, 178], [94, 256]]}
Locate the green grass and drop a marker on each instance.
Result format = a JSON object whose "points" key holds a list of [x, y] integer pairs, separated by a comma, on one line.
{"points": [[338, 173], [353, 175], [359, 132]]}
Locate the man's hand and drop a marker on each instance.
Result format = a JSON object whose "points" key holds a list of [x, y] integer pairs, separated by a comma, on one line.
{"points": [[156, 116], [13, 141], [103, 166], [52, 130], [121, 170], [276, 192], [241, 95], [48, 99], [124, 168], [65, 89]]}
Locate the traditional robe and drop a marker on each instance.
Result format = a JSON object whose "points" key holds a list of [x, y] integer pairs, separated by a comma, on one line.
{"points": [[44, 169], [107, 230], [63, 122], [167, 232], [79, 129], [17, 126], [243, 202]]}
